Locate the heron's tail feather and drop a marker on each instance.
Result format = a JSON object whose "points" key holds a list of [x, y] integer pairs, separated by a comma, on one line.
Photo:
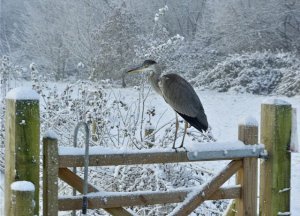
{"points": [[199, 122]]}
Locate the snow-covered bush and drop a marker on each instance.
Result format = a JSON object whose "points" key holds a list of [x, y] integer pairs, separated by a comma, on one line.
{"points": [[66, 105], [257, 73]]}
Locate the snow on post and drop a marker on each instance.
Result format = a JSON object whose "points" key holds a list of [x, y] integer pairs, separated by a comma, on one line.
{"points": [[22, 198], [249, 121], [22, 186], [276, 126], [50, 134], [275, 101], [22, 126], [22, 93]]}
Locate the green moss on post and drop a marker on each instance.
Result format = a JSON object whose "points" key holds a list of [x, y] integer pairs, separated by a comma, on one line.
{"points": [[276, 170], [22, 149]]}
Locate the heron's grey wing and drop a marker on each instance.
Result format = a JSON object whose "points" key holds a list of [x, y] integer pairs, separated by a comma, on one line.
{"points": [[181, 96]]}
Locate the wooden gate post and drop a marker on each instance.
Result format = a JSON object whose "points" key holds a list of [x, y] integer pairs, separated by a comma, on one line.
{"points": [[247, 176], [276, 118], [22, 198], [22, 139], [50, 175]]}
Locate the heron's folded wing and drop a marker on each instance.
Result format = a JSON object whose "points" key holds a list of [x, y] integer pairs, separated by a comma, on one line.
{"points": [[180, 95]]}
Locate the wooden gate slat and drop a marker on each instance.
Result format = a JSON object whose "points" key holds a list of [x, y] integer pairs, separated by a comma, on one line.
{"points": [[198, 197], [76, 182], [117, 199]]}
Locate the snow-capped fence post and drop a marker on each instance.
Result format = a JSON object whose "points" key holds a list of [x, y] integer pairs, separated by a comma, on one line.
{"points": [[50, 175], [275, 174], [22, 198], [247, 176], [22, 142]]}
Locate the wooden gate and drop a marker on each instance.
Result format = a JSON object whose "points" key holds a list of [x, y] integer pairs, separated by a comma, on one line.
{"points": [[57, 162]]}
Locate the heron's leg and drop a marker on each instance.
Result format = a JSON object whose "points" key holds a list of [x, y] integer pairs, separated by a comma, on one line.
{"points": [[176, 130], [186, 125]]}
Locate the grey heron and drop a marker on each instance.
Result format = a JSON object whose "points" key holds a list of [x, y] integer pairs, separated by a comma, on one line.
{"points": [[178, 93]]}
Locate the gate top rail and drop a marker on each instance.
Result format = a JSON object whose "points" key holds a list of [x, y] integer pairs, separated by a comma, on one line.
{"points": [[100, 156]]}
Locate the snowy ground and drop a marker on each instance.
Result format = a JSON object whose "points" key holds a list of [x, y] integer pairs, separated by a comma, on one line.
{"points": [[224, 111]]}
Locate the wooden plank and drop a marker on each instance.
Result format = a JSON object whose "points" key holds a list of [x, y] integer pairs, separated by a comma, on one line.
{"points": [[50, 176], [123, 159], [247, 176], [22, 146], [76, 182], [275, 174], [199, 196], [118, 199], [155, 157]]}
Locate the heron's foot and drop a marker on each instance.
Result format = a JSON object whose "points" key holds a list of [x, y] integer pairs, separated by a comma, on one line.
{"points": [[180, 148]]}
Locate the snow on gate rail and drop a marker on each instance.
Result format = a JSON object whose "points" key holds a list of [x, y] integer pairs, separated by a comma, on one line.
{"points": [[101, 156]]}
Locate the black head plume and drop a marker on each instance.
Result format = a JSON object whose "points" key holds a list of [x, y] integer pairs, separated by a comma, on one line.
{"points": [[149, 62]]}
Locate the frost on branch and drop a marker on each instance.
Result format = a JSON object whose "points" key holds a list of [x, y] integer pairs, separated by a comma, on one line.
{"points": [[161, 12]]}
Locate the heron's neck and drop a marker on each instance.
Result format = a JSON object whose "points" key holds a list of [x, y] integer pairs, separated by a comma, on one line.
{"points": [[154, 79]]}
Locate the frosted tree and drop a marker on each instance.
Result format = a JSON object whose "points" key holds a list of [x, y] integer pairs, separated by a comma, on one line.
{"points": [[290, 25], [11, 26], [117, 38], [44, 36], [185, 17], [84, 20], [256, 25]]}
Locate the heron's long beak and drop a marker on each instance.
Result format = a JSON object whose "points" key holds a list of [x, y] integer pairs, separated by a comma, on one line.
{"points": [[137, 69]]}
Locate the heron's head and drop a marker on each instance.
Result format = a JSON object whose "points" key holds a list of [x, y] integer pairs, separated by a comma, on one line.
{"points": [[147, 66]]}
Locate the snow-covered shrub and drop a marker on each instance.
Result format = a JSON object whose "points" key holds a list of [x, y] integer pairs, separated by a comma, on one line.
{"points": [[64, 105], [257, 73]]}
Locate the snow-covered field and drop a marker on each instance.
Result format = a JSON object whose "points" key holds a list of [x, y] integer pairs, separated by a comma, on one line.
{"points": [[224, 111]]}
